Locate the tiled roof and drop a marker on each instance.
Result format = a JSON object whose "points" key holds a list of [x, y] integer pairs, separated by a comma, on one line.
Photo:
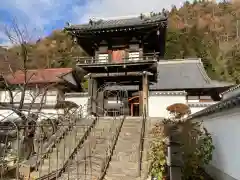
{"points": [[180, 74], [35, 76], [225, 104], [231, 89], [184, 74], [117, 23]]}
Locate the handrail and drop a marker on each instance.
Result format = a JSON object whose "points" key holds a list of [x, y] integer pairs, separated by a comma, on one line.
{"points": [[58, 172], [33, 161], [141, 144], [109, 157]]}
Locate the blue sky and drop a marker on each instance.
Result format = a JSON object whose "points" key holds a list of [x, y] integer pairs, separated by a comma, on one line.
{"points": [[43, 16]]}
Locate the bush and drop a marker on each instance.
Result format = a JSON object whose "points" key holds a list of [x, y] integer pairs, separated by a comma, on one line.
{"points": [[179, 110], [196, 148]]}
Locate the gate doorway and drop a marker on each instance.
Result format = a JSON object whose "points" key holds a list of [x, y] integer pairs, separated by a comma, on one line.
{"points": [[112, 101]]}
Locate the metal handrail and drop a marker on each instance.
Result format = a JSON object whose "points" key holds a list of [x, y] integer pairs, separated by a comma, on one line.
{"points": [[112, 148], [58, 172], [141, 144]]}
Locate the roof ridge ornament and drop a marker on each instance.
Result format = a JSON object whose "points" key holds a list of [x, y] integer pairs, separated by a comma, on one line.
{"points": [[95, 22]]}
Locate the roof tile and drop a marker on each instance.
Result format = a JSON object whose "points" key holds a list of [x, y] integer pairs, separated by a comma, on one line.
{"points": [[37, 76], [117, 23]]}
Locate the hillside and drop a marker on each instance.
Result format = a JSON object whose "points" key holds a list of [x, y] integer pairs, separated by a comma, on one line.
{"points": [[200, 29], [209, 31]]}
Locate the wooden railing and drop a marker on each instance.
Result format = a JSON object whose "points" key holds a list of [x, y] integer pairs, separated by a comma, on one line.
{"points": [[93, 60]]}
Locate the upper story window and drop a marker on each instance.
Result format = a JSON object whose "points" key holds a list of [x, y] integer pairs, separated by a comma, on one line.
{"points": [[199, 99], [103, 58], [102, 54], [133, 56]]}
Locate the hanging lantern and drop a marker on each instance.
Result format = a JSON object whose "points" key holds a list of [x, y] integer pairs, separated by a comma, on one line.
{"points": [[158, 32], [75, 39]]}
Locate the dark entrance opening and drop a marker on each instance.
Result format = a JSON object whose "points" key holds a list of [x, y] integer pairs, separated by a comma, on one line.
{"points": [[112, 101]]}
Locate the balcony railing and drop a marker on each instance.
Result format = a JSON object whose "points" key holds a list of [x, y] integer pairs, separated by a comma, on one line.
{"points": [[107, 60]]}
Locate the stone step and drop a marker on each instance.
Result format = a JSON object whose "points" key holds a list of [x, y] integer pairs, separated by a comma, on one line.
{"points": [[124, 163]]}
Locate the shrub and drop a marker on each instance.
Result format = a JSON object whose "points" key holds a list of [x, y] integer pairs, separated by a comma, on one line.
{"points": [[196, 148]]}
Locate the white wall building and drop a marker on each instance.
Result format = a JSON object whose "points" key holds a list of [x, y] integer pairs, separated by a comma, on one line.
{"points": [[222, 121], [44, 89]]}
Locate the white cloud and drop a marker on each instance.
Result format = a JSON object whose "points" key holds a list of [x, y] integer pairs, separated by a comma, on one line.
{"points": [[28, 11], [40, 16], [115, 8]]}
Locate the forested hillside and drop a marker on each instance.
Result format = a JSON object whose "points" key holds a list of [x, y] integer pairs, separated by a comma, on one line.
{"points": [[209, 31], [200, 29]]}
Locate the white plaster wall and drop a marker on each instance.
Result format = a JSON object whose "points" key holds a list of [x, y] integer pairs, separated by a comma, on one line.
{"points": [[51, 96], [196, 109], [158, 104], [81, 101], [7, 114], [44, 114], [225, 130]]}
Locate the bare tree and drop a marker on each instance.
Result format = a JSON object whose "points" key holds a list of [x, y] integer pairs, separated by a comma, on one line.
{"points": [[19, 94]]}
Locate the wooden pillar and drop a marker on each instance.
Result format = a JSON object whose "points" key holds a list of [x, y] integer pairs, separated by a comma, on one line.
{"points": [[143, 95], [145, 90], [140, 98], [140, 52], [100, 103]]}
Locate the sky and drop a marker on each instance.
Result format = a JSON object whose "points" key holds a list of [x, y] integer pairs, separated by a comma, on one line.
{"points": [[41, 17]]}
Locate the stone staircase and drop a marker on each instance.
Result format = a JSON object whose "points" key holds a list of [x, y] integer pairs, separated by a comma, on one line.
{"points": [[125, 161], [60, 154], [89, 162]]}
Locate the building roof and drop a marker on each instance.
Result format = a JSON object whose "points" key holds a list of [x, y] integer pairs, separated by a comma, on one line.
{"points": [[224, 105], [38, 76], [118, 23], [231, 92], [181, 74], [184, 74]]}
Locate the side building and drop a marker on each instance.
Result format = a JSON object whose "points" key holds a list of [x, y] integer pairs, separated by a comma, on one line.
{"points": [[44, 88]]}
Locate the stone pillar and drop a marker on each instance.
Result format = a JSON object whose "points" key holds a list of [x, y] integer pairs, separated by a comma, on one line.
{"points": [[174, 155], [92, 91]]}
